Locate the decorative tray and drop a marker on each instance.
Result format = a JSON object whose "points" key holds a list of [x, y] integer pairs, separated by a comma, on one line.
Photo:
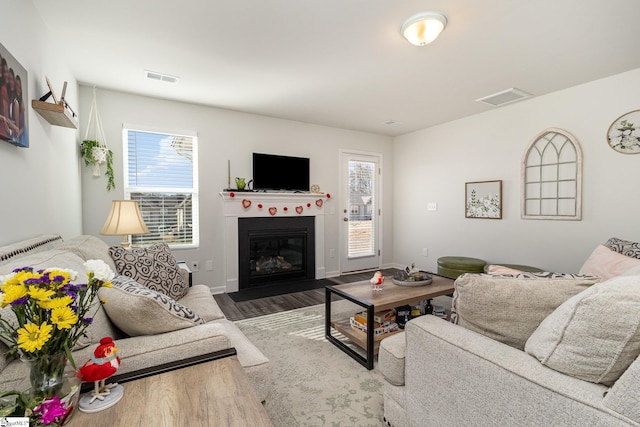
{"points": [[426, 280]]}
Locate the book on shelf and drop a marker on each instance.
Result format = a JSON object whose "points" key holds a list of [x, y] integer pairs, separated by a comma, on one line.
{"points": [[378, 329]]}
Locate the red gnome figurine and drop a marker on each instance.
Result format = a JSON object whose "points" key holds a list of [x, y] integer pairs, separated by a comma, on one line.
{"points": [[102, 365]]}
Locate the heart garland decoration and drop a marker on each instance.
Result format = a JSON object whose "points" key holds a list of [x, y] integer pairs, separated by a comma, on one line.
{"points": [[299, 210], [246, 203], [273, 211], [319, 203]]}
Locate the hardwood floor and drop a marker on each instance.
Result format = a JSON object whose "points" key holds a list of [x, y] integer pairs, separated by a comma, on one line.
{"points": [[259, 307]]}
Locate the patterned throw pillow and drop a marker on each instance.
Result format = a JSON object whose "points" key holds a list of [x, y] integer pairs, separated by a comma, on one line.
{"points": [[138, 310], [624, 247], [509, 307], [152, 266]]}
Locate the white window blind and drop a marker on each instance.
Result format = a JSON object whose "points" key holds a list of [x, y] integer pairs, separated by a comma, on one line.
{"points": [[362, 204], [161, 174]]}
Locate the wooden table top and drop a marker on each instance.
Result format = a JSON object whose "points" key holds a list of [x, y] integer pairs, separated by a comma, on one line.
{"points": [[393, 295], [215, 393]]}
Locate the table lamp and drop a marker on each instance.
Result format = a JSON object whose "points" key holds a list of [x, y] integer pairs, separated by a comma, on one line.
{"points": [[124, 219]]}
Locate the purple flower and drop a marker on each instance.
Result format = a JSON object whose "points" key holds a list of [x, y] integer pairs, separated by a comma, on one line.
{"points": [[50, 410], [88, 320], [19, 301]]}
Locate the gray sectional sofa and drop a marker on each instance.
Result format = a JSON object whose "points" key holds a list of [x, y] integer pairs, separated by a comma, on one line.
{"points": [[526, 349], [137, 350]]}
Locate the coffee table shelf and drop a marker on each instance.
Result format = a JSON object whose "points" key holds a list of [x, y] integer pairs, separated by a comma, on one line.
{"points": [[361, 294]]}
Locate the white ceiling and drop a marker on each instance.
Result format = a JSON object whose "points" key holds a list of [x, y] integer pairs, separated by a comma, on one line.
{"points": [[343, 63]]}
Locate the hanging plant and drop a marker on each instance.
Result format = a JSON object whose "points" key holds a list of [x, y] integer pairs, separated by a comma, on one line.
{"points": [[95, 154]]}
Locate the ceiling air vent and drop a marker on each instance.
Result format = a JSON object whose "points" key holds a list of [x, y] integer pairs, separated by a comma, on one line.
{"points": [[160, 76], [505, 97]]}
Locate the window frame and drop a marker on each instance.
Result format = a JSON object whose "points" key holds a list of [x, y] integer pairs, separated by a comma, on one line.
{"points": [[577, 177], [194, 190]]}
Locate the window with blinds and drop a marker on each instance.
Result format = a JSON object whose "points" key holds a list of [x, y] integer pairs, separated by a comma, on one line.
{"points": [[160, 172], [361, 204]]}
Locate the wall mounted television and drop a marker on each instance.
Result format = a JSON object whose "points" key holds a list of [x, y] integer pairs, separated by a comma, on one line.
{"points": [[284, 173]]}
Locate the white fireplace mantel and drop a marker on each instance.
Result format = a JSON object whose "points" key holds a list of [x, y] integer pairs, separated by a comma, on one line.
{"points": [[258, 204]]}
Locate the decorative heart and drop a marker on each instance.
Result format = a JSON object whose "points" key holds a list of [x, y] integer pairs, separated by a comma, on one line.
{"points": [[259, 205], [285, 209], [232, 194], [308, 205], [273, 211], [319, 203], [299, 209], [246, 203]]}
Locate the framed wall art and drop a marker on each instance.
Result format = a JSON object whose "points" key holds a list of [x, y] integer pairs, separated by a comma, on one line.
{"points": [[483, 199], [14, 115], [623, 134]]}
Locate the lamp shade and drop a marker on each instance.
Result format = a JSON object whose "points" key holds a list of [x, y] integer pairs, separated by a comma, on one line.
{"points": [[423, 28], [124, 219]]}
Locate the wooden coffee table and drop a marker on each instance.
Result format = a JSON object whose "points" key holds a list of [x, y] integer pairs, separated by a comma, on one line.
{"points": [[391, 296], [211, 393]]}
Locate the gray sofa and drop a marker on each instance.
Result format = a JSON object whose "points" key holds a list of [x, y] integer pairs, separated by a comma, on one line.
{"points": [[140, 351], [543, 363]]}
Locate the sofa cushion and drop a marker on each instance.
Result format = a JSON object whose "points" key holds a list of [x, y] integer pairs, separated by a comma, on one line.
{"points": [[509, 307], [624, 247], [500, 269], [605, 263], [138, 310], [152, 266], [594, 335], [200, 300], [88, 247]]}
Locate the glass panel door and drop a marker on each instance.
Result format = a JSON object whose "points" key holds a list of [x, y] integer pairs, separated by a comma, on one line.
{"points": [[360, 212]]}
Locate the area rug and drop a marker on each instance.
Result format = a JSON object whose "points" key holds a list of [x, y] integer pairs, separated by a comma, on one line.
{"points": [[314, 383]]}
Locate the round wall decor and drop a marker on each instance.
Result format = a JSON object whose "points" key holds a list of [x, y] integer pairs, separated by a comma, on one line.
{"points": [[624, 133]]}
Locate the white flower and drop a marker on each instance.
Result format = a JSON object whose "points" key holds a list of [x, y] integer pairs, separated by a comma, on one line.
{"points": [[4, 279], [100, 269]]}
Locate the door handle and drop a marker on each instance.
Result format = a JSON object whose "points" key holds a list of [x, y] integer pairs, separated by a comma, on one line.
{"points": [[345, 219]]}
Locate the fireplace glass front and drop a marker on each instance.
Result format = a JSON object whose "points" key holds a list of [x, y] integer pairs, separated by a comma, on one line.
{"points": [[275, 249]]}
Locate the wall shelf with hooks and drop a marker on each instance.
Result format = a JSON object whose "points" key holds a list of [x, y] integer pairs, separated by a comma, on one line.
{"points": [[56, 114]]}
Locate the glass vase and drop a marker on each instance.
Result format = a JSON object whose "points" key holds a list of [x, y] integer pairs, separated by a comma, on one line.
{"points": [[50, 375], [46, 373]]}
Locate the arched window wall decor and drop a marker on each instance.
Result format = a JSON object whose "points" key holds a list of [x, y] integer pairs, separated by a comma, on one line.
{"points": [[552, 177]]}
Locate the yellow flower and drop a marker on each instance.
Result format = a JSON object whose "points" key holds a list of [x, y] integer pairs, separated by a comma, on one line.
{"points": [[12, 293], [107, 285], [60, 302], [32, 337], [64, 318], [39, 294]]}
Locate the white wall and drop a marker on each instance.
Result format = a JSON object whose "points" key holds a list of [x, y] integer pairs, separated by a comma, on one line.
{"points": [[432, 165], [40, 188], [227, 135]]}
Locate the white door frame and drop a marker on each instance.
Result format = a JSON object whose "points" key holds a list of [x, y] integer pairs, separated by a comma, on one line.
{"points": [[344, 266]]}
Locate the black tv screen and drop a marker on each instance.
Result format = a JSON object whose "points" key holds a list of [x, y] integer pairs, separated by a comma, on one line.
{"points": [[273, 172]]}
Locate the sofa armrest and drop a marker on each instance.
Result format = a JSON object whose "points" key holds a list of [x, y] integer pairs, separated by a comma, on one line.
{"points": [[623, 397], [391, 358], [474, 380]]}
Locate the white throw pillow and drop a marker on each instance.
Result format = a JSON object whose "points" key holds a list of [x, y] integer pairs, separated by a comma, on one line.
{"points": [[594, 335], [138, 310], [605, 263]]}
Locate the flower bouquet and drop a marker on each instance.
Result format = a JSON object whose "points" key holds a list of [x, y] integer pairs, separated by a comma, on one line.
{"points": [[51, 314]]}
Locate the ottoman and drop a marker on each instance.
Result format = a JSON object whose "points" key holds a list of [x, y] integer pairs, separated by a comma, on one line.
{"points": [[454, 266]]}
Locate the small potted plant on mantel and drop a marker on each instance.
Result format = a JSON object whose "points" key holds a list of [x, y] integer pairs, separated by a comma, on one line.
{"points": [[94, 154]]}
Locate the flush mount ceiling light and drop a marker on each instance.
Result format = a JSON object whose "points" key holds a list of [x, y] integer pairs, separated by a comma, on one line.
{"points": [[423, 28]]}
